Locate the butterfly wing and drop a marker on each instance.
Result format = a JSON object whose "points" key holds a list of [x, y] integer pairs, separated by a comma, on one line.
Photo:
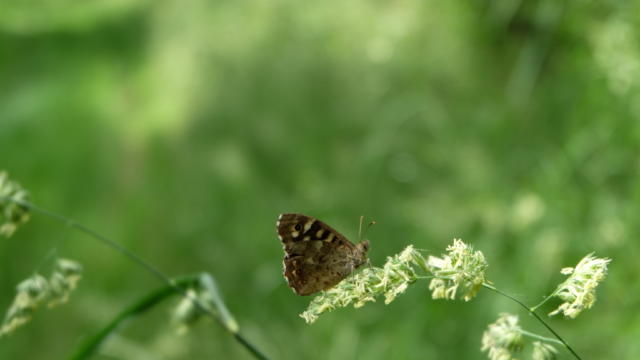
{"points": [[317, 256]]}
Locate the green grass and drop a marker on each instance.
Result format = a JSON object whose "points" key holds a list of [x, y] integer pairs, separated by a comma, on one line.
{"points": [[183, 129]]}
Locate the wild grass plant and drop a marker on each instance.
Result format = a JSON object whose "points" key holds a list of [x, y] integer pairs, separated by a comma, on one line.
{"points": [[458, 274]]}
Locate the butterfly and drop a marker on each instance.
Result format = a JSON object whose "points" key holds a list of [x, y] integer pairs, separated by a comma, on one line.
{"points": [[317, 257]]}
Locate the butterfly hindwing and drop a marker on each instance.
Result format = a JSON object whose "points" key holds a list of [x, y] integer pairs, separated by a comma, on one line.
{"points": [[317, 257]]}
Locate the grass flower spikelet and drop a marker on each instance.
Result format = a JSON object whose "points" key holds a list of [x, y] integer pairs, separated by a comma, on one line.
{"points": [[543, 351], [503, 339], [460, 270], [37, 290], [12, 215], [205, 295], [389, 281], [578, 291]]}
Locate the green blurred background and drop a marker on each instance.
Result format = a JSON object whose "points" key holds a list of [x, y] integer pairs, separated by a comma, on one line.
{"points": [[183, 128]]}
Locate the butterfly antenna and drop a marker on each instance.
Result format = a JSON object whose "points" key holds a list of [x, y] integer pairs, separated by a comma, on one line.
{"points": [[360, 228], [373, 222]]}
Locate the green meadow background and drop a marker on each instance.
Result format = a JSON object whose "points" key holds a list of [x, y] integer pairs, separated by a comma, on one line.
{"points": [[182, 129]]}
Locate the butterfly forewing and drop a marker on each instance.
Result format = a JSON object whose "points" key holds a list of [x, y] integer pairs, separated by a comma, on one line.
{"points": [[317, 257]]}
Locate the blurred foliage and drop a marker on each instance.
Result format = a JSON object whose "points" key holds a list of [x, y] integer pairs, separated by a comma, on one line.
{"points": [[183, 128]]}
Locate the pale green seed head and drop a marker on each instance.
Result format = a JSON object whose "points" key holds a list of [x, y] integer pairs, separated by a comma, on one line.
{"points": [[578, 291], [460, 270], [503, 339], [364, 286]]}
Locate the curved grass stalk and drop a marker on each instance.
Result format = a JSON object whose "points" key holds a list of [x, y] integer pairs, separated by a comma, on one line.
{"points": [[535, 315], [147, 302], [90, 345]]}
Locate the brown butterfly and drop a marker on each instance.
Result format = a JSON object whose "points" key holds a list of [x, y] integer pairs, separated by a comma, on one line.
{"points": [[317, 257]]}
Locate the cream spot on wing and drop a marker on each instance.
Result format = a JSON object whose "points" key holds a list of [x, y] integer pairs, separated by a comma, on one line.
{"points": [[308, 224], [310, 261], [295, 234], [278, 223], [317, 244], [330, 237], [319, 233], [280, 237], [280, 217], [306, 238]]}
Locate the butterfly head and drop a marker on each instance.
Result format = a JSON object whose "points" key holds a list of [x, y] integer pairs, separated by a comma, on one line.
{"points": [[361, 252], [363, 247]]}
